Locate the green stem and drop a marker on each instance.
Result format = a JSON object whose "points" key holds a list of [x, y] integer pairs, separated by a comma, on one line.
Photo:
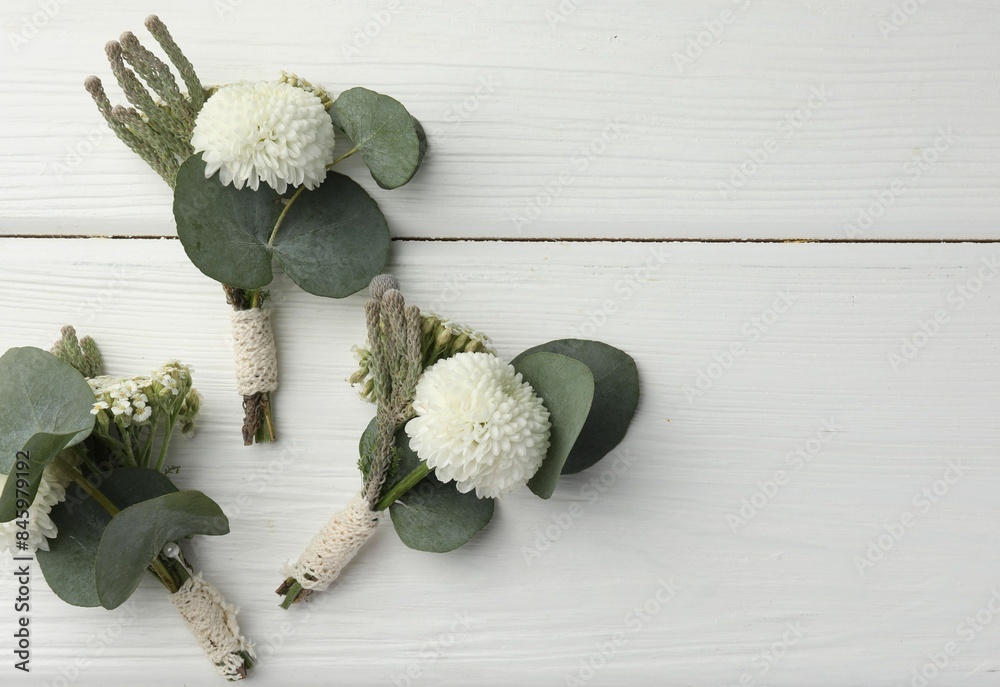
{"points": [[147, 447], [91, 490], [403, 486], [344, 156], [265, 432], [284, 211], [166, 442], [107, 438], [159, 570], [292, 595], [84, 455], [127, 447]]}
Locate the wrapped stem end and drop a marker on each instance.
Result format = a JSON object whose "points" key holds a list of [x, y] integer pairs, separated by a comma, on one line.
{"points": [[330, 551], [256, 364], [213, 622]]}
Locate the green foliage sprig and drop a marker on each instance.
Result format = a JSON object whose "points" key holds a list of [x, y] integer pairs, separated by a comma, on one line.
{"points": [[590, 392], [62, 418], [331, 240]]}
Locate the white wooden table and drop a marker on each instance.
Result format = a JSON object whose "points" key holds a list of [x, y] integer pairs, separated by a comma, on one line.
{"points": [[808, 494]]}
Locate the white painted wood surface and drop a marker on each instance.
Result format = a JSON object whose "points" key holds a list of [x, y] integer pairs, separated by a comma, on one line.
{"points": [[578, 119], [560, 118], [490, 614]]}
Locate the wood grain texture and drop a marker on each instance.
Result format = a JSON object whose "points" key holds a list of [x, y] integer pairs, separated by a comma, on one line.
{"points": [[550, 585], [563, 118]]}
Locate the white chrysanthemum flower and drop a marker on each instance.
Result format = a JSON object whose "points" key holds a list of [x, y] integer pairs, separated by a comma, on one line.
{"points": [[38, 525], [266, 131], [479, 424]]}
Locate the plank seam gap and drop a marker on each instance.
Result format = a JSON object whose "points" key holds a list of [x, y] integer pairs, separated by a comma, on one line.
{"points": [[568, 239]]}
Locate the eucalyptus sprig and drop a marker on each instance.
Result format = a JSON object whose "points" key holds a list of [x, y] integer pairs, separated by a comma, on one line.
{"points": [[251, 169], [83, 463], [456, 428]]}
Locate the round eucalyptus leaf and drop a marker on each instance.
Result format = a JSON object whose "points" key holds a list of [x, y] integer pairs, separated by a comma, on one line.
{"points": [[334, 239], [390, 140], [566, 387], [45, 407], [616, 397], [135, 536], [436, 517], [68, 565], [225, 231], [422, 140], [331, 242]]}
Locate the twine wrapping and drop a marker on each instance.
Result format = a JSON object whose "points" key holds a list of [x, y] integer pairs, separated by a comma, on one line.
{"points": [[336, 544], [256, 358], [213, 622]]}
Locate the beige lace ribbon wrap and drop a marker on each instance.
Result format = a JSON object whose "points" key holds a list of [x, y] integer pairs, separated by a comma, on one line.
{"points": [[256, 358], [213, 622], [336, 544]]}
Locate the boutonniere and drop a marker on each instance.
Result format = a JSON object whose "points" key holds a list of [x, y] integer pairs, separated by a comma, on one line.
{"points": [[251, 165], [86, 488], [457, 428]]}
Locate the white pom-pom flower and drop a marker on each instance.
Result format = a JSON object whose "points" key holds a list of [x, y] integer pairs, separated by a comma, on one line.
{"points": [[479, 424], [267, 131], [38, 526]]}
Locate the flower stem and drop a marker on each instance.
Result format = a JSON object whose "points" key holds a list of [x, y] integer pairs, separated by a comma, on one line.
{"points": [[166, 441], [344, 156], [92, 491], [258, 420], [127, 446], [403, 486], [265, 432], [292, 590], [284, 211], [159, 570], [147, 447]]}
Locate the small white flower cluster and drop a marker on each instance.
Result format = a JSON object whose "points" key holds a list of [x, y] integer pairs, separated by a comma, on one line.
{"points": [[38, 524], [479, 423], [128, 398]]}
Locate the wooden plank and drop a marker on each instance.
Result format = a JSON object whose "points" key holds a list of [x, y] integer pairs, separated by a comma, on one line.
{"points": [[800, 413], [560, 118]]}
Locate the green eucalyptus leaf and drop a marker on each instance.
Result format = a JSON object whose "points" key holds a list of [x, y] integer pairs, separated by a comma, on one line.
{"points": [[44, 408], [434, 516], [422, 140], [331, 242], [225, 231], [69, 563], [135, 536], [566, 387], [616, 397], [391, 142], [334, 239]]}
